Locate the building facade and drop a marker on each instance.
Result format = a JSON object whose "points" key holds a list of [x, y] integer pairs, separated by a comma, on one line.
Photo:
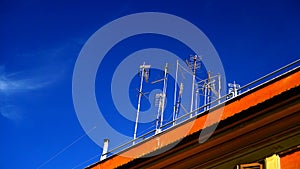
{"points": [[259, 129]]}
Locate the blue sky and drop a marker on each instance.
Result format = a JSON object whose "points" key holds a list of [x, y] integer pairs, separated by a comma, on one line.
{"points": [[41, 40]]}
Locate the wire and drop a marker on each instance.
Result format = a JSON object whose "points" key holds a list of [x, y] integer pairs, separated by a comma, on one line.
{"points": [[80, 164], [65, 148]]}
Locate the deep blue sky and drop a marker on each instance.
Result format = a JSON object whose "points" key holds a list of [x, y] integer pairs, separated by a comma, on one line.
{"points": [[41, 40]]}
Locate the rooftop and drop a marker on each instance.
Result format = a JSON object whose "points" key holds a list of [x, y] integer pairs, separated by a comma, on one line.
{"points": [[249, 122]]}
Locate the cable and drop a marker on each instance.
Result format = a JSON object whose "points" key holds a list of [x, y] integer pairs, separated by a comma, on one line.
{"points": [[65, 148], [78, 165]]}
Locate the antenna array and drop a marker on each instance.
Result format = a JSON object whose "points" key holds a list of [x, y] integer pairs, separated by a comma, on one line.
{"points": [[209, 89]]}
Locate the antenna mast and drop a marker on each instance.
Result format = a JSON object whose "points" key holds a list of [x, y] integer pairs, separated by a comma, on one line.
{"points": [[194, 64], [175, 92], [161, 101], [144, 71]]}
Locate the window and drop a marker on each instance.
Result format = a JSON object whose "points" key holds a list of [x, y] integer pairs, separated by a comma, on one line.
{"points": [[250, 166], [272, 162]]}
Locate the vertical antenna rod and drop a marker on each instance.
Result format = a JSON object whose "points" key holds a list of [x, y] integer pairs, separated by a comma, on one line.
{"points": [[175, 92], [207, 91], [194, 60], [144, 73], [193, 84], [164, 95], [178, 103], [219, 88], [161, 99]]}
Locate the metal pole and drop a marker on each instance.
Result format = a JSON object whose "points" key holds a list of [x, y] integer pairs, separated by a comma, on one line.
{"points": [[219, 92], [158, 113], [208, 96], [164, 95], [178, 104], [193, 86], [139, 103], [208, 90], [234, 89], [175, 92], [205, 95], [196, 97], [192, 99]]}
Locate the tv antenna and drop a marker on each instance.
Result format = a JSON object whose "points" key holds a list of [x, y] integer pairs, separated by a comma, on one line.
{"points": [[234, 89], [209, 88], [144, 72], [194, 63], [160, 101]]}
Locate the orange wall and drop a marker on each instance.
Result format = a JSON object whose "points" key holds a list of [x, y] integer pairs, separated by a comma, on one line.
{"points": [[291, 161]]}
